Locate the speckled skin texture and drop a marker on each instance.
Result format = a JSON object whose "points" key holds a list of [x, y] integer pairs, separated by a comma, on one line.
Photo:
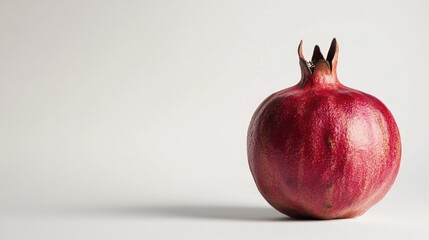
{"points": [[320, 149]]}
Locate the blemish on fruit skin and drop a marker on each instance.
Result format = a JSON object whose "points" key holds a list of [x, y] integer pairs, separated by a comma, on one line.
{"points": [[306, 141], [330, 143], [329, 197]]}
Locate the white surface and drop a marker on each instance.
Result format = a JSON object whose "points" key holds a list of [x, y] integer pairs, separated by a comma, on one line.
{"points": [[128, 119]]}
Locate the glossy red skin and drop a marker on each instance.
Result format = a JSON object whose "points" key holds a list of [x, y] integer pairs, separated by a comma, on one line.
{"points": [[322, 150]]}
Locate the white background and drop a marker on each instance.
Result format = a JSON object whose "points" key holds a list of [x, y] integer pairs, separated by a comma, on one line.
{"points": [[128, 119]]}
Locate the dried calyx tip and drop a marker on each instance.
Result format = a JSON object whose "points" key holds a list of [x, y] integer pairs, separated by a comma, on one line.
{"points": [[300, 50], [333, 52]]}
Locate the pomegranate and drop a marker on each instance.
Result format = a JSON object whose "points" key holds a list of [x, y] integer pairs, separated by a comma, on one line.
{"points": [[320, 149]]}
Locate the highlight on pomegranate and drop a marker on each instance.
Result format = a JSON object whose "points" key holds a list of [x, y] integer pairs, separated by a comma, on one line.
{"points": [[320, 149]]}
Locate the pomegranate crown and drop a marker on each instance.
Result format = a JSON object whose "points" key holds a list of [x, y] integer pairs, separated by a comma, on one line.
{"points": [[319, 67]]}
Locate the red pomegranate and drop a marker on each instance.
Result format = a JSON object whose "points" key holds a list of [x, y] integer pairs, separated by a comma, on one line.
{"points": [[320, 149]]}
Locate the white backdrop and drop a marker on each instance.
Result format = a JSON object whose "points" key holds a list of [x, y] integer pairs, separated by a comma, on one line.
{"points": [[123, 119]]}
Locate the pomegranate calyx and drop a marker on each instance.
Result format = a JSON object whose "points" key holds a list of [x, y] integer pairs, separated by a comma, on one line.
{"points": [[319, 69]]}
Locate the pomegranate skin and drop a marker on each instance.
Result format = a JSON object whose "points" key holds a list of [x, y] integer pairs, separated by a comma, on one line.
{"points": [[320, 149]]}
